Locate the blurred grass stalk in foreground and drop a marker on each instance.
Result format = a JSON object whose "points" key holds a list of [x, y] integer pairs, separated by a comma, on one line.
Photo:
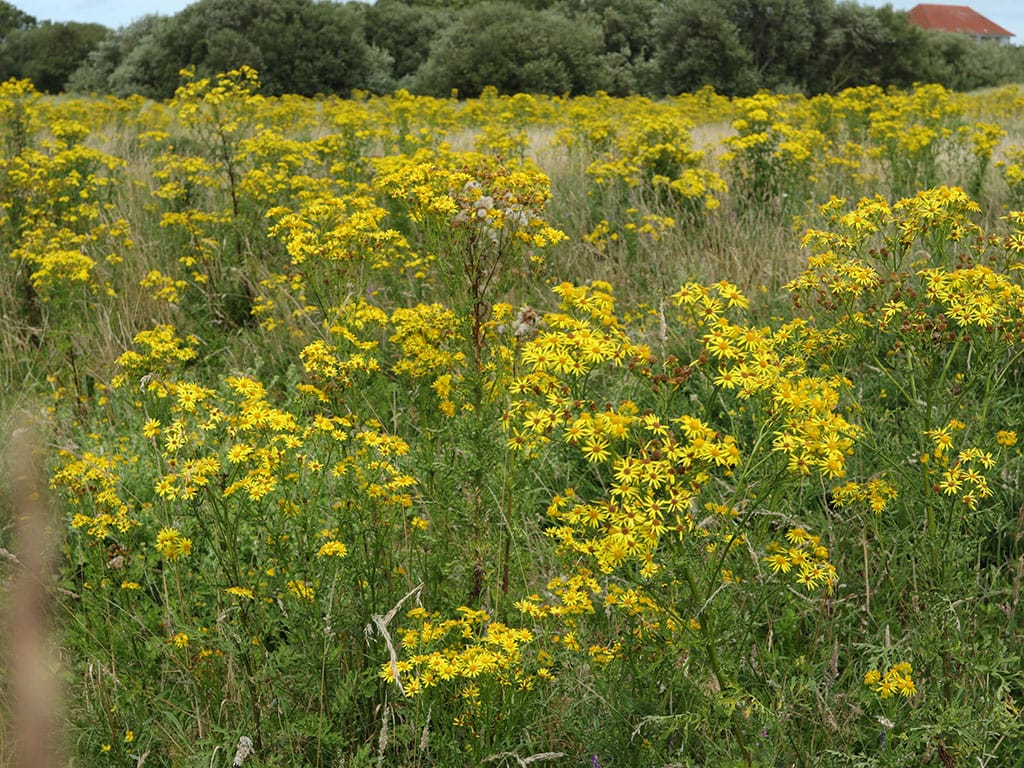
{"points": [[32, 738]]}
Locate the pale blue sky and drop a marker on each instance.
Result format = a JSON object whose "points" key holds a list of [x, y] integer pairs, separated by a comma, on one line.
{"points": [[111, 13], [117, 13]]}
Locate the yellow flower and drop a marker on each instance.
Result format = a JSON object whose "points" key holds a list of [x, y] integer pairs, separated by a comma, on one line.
{"points": [[797, 535], [906, 686], [301, 590], [595, 449], [1006, 438], [779, 563], [332, 549], [172, 545], [896, 680]]}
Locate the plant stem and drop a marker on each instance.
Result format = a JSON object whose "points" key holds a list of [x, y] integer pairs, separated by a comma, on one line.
{"points": [[712, 652]]}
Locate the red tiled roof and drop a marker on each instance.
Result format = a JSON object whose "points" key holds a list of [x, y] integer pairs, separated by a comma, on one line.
{"points": [[954, 18]]}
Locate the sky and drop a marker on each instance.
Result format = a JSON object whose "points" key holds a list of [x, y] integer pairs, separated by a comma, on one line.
{"points": [[117, 13], [110, 13]]}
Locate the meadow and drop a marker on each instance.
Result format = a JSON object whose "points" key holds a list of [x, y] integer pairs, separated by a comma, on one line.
{"points": [[520, 430]]}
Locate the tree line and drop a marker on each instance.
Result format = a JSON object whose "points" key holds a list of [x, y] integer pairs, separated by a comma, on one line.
{"points": [[650, 47]]}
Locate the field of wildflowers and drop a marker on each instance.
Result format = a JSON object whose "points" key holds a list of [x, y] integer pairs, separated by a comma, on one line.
{"points": [[405, 431]]}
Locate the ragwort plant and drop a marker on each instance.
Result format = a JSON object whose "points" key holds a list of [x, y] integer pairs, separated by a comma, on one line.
{"points": [[404, 505], [772, 156], [921, 297], [653, 165], [231, 488], [64, 247], [677, 524], [233, 559], [658, 473], [790, 466]]}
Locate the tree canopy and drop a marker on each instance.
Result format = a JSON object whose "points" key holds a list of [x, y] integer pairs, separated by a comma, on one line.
{"points": [[653, 47], [515, 49], [48, 53]]}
